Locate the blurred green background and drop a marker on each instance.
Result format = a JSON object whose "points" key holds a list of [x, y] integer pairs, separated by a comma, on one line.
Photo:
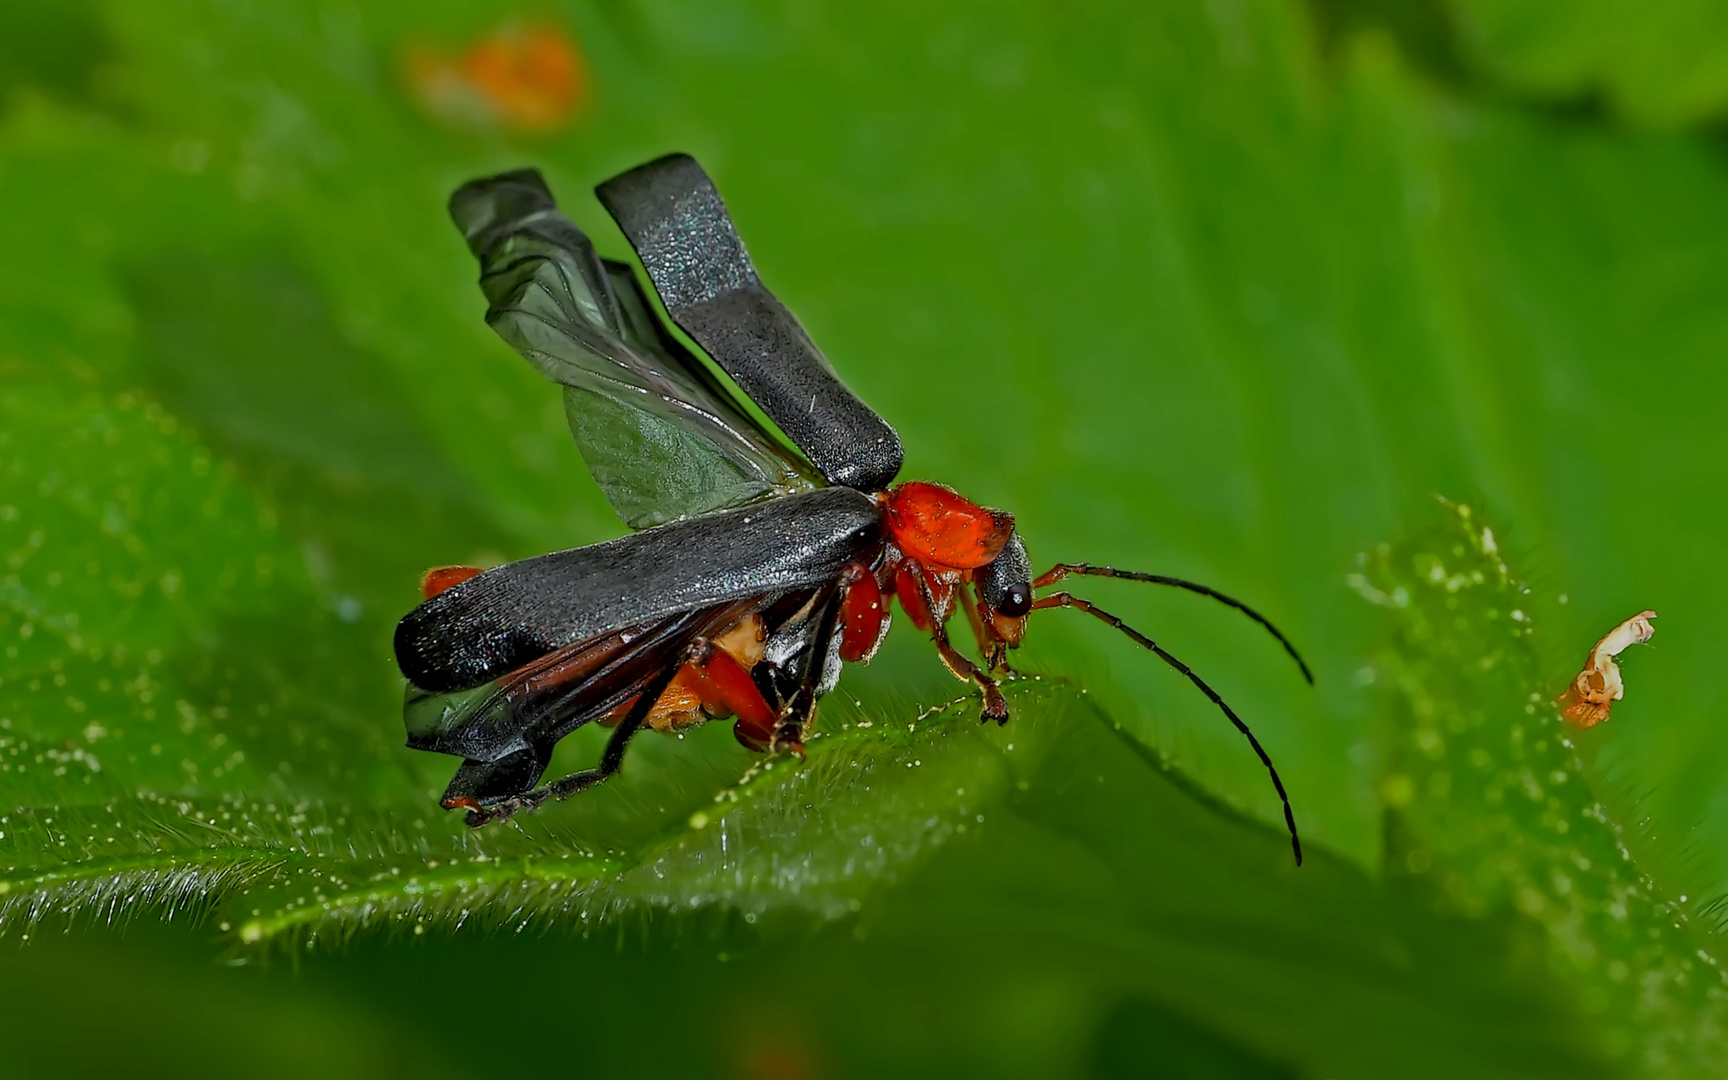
{"points": [[1226, 290]]}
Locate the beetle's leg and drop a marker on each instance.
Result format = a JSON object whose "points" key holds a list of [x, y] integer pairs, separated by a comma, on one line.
{"points": [[990, 644], [481, 782], [995, 705], [912, 602], [723, 683], [789, 736], [977, 624], [610, 759], [772, 682], [863, 614]]}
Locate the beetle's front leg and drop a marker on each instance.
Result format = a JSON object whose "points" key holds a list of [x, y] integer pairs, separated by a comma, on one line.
{"points": [[995, 705], [990, 644]]}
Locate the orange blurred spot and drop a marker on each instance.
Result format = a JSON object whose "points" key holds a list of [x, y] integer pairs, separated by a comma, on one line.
{"points": [[779, 1060], [521, 77]]}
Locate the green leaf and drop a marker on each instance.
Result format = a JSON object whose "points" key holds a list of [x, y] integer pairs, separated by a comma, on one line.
{"points": [[1664, 66]]}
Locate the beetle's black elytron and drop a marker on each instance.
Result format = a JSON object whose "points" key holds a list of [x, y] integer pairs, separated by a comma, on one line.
{"points": [[757, 569]]}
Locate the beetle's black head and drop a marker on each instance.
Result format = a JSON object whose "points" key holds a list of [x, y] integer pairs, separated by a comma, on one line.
{"points": [[1005, 589]]}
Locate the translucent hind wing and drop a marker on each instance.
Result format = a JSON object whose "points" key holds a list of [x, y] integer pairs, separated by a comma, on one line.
{"points": [[660, 434]]}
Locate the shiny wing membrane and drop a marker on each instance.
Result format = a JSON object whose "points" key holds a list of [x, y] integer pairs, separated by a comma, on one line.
{"points": [[660, 434]]}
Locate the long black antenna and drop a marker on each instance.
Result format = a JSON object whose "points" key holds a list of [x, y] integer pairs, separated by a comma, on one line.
{"points": [[1061, 570], [1063, 599]]}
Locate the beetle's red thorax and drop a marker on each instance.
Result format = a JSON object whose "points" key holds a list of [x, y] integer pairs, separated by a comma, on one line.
{"points": [[937, 525]]}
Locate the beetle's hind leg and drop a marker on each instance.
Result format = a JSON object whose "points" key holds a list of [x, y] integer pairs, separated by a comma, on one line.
{"points": [[610, 759]]}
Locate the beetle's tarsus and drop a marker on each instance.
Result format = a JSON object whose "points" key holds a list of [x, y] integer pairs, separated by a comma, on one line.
{"points": [[481, 816], [789, 738]]}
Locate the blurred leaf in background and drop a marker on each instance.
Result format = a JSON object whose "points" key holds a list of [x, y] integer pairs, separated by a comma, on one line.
{"points": [[1226, 291]]}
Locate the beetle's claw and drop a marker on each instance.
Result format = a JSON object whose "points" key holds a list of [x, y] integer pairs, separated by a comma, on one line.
{"points": [[995, 705], [477, 815], [480, 816], [789, 738]]}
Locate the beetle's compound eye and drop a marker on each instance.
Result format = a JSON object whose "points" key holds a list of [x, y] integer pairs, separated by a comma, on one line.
{"points": [[1016, 600]]}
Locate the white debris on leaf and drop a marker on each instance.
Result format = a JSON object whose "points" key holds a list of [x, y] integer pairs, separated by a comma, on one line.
{"points": [[1586, 702]]}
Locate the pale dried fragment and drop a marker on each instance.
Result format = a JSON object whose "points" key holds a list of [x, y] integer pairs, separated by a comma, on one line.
{"points": [[1586, 702]]}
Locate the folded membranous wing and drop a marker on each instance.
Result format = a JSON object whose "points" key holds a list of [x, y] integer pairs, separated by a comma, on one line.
{"points": [[542, 701], [508, 728], [661, 435]]}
